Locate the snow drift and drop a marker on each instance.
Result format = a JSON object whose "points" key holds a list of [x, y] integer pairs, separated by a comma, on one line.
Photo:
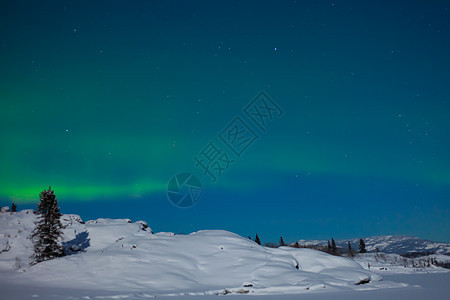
{"points": [[118, 255]]}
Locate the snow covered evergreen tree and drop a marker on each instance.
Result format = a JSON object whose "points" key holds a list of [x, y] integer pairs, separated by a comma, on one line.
{"points": [[362, 246], [48, 229]]}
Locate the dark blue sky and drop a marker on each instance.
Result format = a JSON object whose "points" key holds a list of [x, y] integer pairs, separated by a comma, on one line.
{"points": [[107, 101]]}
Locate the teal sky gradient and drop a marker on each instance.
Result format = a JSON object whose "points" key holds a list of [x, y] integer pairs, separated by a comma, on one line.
{"points": [[106, 101]]}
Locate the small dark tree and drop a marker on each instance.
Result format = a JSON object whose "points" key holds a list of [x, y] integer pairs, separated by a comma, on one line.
{"points": [[257, 240], [282, 242], [362, 246], [349, 250], [333, 246], [329, 247], [48, 229], [13, 207]]}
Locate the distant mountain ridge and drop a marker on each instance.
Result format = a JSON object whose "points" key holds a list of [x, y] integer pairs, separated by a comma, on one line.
{"points": [[395, 244]]}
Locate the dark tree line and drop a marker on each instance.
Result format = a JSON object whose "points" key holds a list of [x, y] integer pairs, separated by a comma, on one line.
{"points": [[331, 247]]}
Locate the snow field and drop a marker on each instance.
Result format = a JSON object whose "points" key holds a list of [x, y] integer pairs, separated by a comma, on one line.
{"points": [[124, 257]]}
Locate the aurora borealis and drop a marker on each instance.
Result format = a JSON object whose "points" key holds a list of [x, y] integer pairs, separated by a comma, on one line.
{"points": [[105, 101]]}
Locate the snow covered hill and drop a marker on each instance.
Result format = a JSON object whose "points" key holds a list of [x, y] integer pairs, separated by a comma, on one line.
{"points": [[15, 229], [395, 244], [118, 255]]}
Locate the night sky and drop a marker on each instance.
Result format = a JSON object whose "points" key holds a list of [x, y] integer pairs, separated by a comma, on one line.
{"points": [[107, 100]]}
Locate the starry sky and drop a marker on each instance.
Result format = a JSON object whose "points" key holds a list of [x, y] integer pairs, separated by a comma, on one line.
{"points": [[107, 100]]}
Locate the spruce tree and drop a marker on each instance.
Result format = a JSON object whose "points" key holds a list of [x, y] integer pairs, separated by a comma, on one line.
{"points": [[362, 246], [13, 207], [257, 240], [329, 247], [349, 250], [333, 246], [282, 242], [48, 229]]}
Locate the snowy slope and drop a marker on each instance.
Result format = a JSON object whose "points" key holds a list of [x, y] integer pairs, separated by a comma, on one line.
{"points": [[15, 229], [204, 261], [15, 248], [118, 255], [396, 244]]}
